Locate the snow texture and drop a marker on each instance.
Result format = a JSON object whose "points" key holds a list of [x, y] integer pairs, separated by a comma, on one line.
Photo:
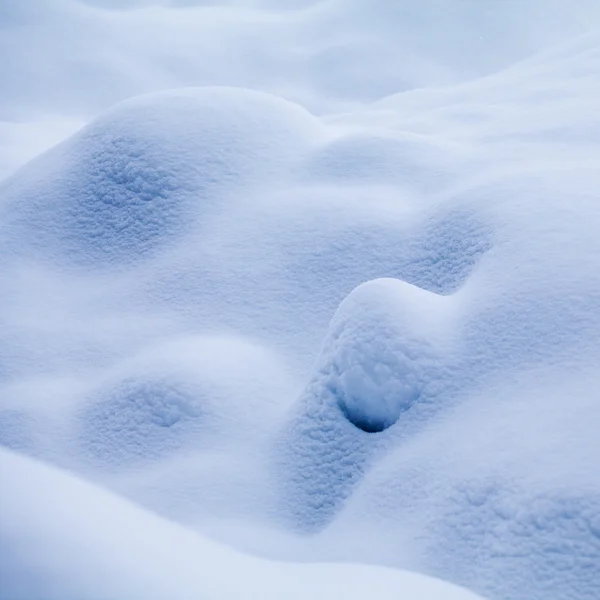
{"points": [[152, 557], [337, 302]]}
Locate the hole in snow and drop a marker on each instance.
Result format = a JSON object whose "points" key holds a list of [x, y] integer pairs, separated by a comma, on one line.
{"points": [[365, 424], [373, 395], [358, 413]]}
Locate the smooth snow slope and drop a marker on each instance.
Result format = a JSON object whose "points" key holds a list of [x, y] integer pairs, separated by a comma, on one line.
{"points": [[349, 324], [83, 543]]}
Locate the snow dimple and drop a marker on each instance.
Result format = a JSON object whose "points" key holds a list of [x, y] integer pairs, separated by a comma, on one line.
{"points": [[184, 394], [125, 203], [138, 420]]}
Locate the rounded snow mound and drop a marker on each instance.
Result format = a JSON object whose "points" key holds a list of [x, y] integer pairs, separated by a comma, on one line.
{"points": [[139, 419], [385, 351], [137, 554], [380, 350], [150, 168], [479, 490], [185, 393]]}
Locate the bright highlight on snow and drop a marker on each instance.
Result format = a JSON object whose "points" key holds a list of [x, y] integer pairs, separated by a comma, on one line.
{"points": [[300, 299]]}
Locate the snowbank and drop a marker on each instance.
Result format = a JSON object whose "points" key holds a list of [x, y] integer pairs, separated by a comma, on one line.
{"points": [[150, 169], [83, 542]]}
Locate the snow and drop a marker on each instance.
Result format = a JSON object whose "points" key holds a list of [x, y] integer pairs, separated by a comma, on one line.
{"points": [[68, 542], [332, 299], [376, 361], [151, 166]]}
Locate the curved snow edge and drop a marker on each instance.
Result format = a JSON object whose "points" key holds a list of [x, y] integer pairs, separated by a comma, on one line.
{"points": [[70, 539]]}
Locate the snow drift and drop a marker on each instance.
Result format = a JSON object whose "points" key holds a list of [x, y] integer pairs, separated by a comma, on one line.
{"points": [[365, 332], [83, 542]]}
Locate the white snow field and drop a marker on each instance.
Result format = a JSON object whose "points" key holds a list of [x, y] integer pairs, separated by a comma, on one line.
{"points": [[300, 299], [126, 552]]}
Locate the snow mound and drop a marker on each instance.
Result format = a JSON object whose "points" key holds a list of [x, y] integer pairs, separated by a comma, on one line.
{"points": [[385, 349], [377, 357], [485, 487], [150, 169], [189, 393], [82, 542], [165, 270], [139, 420]]}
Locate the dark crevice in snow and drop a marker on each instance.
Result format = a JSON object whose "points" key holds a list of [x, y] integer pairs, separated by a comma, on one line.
{"points": [[364, 423]]}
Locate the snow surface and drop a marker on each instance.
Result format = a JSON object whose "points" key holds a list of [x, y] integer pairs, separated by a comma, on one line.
{"points": [[83, 542], [337, 301]]}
